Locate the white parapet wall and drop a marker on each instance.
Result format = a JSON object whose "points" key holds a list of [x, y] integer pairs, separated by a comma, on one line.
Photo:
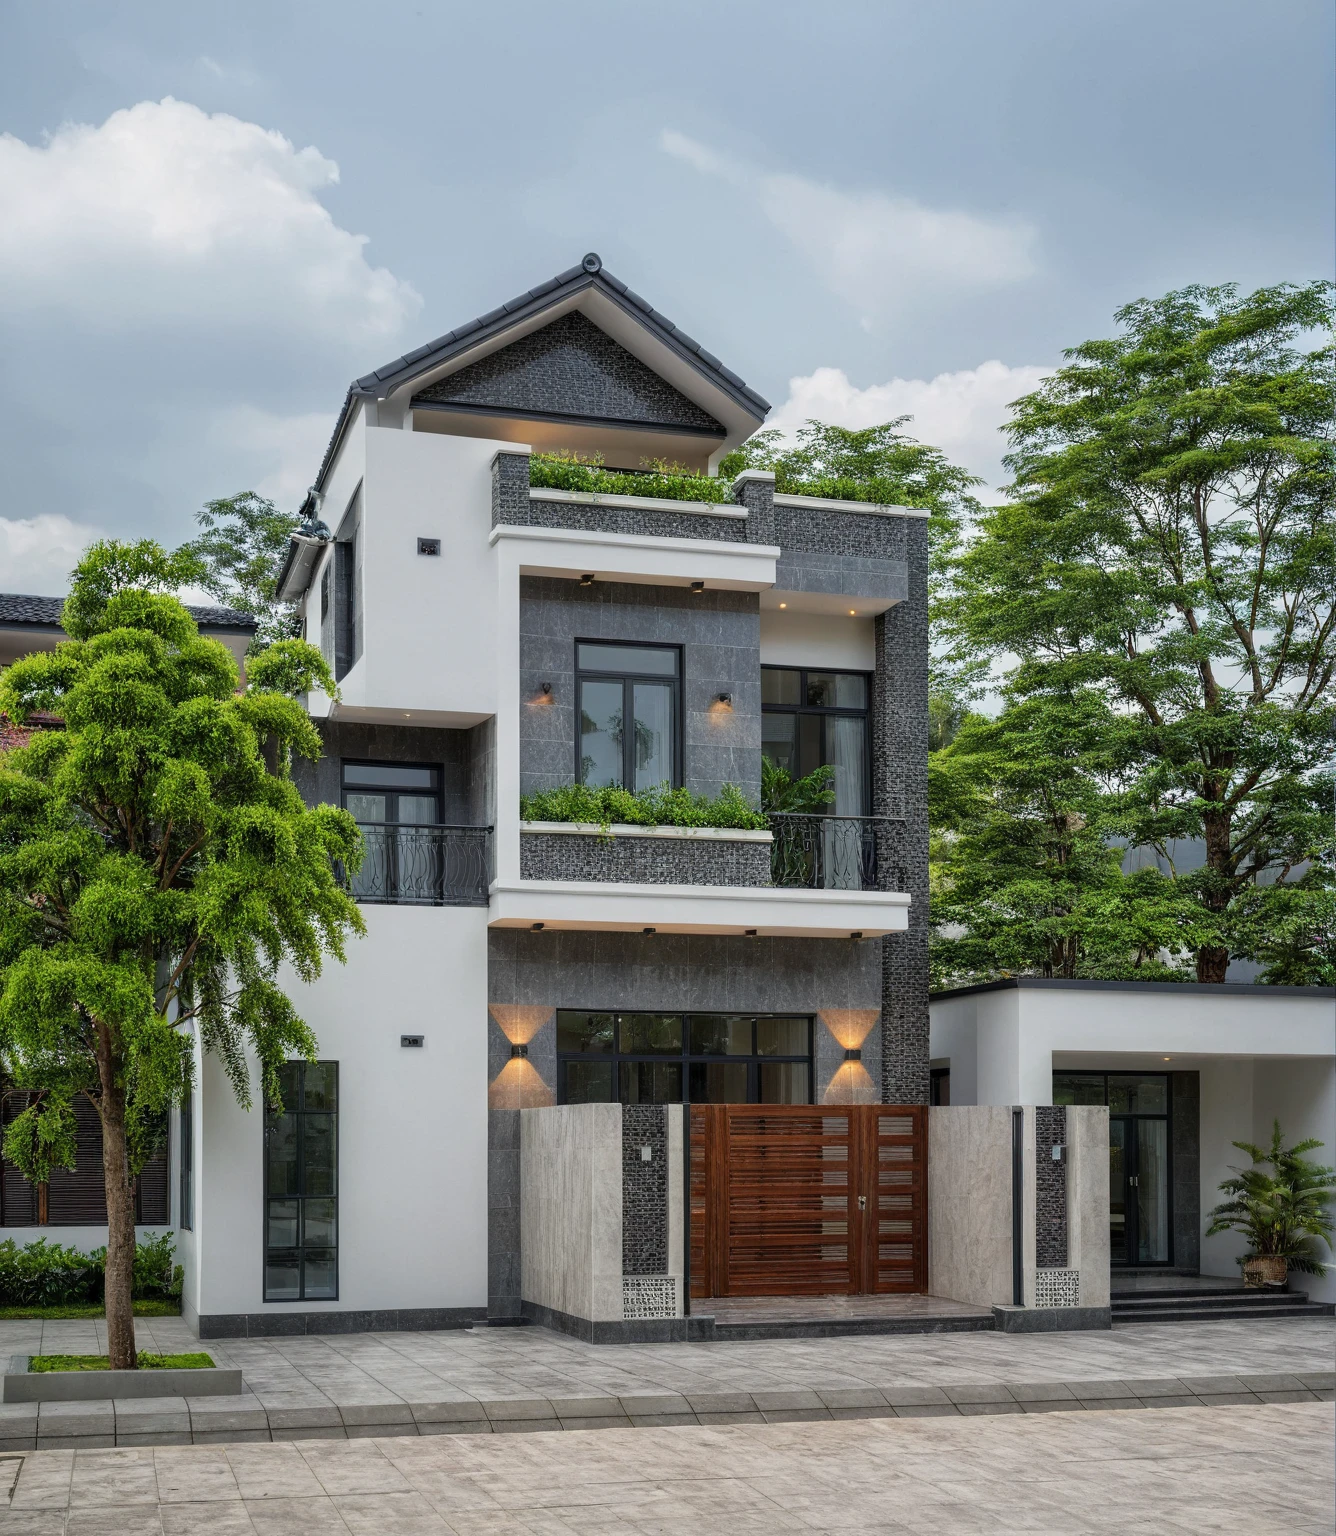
{"points": [[571, 1210]]}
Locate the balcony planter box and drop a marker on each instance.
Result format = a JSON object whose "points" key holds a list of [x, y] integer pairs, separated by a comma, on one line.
{"points": [[25, 1386], [631, 855]]}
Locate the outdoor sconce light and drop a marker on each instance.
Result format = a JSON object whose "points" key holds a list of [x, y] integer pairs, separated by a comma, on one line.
{"points": [[545, 689], [751, 932], [726, 699], [649, 930], [519, 1051], [587, 580], [856, 935], [853, 1055], [535, 927], [698, 586]]}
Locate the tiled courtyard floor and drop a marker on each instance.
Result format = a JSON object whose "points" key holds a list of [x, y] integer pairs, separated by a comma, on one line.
{"points": [[359, 1385], [1256, 1471]]}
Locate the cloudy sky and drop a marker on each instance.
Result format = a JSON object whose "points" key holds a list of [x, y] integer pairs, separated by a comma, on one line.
{"points": [[214, 217]]}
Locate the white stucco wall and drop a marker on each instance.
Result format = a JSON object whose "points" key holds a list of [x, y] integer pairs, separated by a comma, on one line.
{"points": [[412, 1126], [791, 639]]}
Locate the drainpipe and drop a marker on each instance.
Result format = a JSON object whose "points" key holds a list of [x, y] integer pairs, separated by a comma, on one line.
{"points": [[1018, 1207]]}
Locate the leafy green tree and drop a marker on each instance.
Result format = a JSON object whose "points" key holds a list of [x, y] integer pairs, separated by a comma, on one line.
{"points": [[157, 867], [1171, 547], [240, 554], [1026, 874], [884, 465]]}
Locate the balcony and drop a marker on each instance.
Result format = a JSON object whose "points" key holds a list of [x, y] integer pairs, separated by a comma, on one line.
{"points": [[825, 853], [423, 866]]}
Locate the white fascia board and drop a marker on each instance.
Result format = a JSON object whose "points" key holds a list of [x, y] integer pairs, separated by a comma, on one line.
{"points": [[629, 829], [640, 503], [729, 909], [638, 557], [866, 508]]}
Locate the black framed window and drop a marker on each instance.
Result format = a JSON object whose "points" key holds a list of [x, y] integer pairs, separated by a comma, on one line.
{"points": [[391, 802], [811, 718], [301, 1185], [186, 1171], [398, 794], [662, 1058], [617, 683]]}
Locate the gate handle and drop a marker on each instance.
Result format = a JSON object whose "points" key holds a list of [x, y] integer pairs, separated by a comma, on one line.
{"points": [[862, 1202]]}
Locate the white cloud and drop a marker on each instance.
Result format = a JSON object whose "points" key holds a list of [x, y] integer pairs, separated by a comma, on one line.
{"points": [[38, 553], [165, 215], [276, 456], [960, 413], [879, 253]]}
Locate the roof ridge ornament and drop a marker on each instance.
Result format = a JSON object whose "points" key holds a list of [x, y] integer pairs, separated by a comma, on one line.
{"points": [[593, 262]]}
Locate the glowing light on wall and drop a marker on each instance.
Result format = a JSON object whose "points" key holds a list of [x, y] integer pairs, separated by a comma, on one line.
{"points": [[849, 1028], [518, 1085]]}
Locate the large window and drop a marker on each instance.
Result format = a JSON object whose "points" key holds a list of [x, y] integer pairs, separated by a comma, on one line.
{"points": [[639, 684], [301, 1185], [391, 802], [812, 718], [658, 1058]]}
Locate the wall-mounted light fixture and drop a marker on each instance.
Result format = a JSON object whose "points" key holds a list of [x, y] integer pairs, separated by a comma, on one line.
{"points": [[587, 580], [750, 932], [412, 1040], [857, 935], [783, 605], [649, 930], [698, 586], [726, 699], [544, 694], [429, 546], [535, 927], [517, 1051], [853, 1055]]}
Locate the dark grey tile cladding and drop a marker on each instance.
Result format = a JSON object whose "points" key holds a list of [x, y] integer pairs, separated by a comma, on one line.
{"points": [[1050, 1130], [644, 1189], [510, 489], [601, 518], [679, 971], [852, 576], [284, 1324], [720, 633], [758, 496], [900, 786], [1185, 1196], [643, 860], [464, 757], [870, 536], [572, 368]]}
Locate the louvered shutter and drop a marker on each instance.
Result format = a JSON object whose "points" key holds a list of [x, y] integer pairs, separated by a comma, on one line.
{"points": [[18, 1198]]}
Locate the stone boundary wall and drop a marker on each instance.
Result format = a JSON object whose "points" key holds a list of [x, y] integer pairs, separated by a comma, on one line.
{"points": [[1050, 1188]]}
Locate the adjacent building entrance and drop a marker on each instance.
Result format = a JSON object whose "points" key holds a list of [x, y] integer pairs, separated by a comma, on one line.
{"points": [[1139, 1159], [808, 1201]]}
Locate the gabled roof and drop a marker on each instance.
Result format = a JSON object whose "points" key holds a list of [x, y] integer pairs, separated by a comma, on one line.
{"points": [[589, 277], [22, 608]]}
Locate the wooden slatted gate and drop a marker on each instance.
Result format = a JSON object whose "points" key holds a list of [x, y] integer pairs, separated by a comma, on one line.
{"points": [[808, 1201]]}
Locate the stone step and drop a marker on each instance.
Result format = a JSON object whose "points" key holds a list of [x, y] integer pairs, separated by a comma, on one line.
{"points": [[1208, 1299], [1185, 1314]]}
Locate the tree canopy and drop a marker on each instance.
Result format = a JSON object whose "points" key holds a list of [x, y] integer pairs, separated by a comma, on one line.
{"points": [[1170, 551], [157, 869], [240, 554]]}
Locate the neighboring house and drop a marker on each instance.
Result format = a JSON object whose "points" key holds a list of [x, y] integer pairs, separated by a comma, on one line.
{"points": [[1185, 1069]]}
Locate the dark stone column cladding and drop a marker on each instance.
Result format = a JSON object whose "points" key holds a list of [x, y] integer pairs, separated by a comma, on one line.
{"points": [[1050, 1130], [720, 636], [643, 860], [1185, 1163], [899, 768], [644, 1189]]}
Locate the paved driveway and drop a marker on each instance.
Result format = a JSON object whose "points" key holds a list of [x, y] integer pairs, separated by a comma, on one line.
{"points": [[1256, 1471]]}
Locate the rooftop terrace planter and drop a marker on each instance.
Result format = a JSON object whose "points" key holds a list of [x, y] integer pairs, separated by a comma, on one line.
{"points": [[25, 1386], [638, 855]]}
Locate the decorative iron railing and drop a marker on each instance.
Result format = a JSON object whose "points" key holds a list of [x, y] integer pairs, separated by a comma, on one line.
{"points": [[817, 852], [423, 866]]}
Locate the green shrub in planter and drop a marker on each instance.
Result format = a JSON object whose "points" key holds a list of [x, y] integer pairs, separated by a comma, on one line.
{"points": [[47, 1274]]}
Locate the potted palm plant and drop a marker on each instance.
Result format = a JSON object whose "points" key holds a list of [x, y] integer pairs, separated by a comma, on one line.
{"points": [[1281, 1204]]}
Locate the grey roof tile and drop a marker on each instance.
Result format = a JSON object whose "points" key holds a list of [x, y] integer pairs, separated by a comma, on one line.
{"points": [[25, 608]]}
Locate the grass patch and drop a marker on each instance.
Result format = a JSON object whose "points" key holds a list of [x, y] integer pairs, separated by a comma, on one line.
{"points": [[73, 1309], [147, 1362]]}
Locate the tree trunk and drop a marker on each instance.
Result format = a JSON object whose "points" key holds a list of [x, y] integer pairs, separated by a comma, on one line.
{"points": [[121, 1351], [1213, 959], [1212, 963]]}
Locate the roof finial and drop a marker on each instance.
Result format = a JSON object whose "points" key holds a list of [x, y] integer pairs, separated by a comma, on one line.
{"points": [[593, 262]]}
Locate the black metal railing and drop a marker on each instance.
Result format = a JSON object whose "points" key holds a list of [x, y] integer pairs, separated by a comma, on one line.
{"points": [[423, 866], [817, 852]]}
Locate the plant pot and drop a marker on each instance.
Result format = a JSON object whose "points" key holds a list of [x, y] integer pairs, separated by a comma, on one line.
{"points": [[1265, 1271]]}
